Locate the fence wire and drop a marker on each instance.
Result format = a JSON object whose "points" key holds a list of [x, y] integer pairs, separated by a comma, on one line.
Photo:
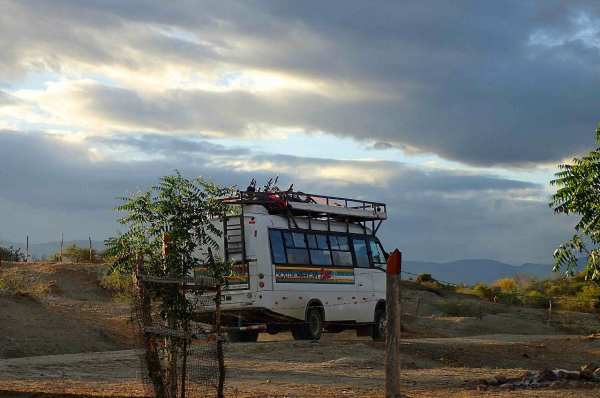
{"points": [[179, 358]]}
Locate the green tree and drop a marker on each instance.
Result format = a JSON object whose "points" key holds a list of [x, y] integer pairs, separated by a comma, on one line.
{"points": [[185, 211], [578, 193], [11, 254]]}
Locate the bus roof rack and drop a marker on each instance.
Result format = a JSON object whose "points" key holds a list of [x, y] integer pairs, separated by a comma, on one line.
{"points": [[312, 205]]}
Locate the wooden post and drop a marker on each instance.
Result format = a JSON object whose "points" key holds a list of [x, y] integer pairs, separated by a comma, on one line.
{"points": [[62, 242], [549, 311], [91, 254], [27, 250], [220, 358], [393, 315]]}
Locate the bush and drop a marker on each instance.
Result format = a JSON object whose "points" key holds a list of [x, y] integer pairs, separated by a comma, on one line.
{"points": [[11, 254], [535, 298], [119, 284], [77, 254]]}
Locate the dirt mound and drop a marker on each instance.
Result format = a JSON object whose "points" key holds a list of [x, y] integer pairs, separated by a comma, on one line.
{"points": [[58, 309]]}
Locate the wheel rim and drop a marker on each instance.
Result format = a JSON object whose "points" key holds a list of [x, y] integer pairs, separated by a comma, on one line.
{"points": [[314, 324]]}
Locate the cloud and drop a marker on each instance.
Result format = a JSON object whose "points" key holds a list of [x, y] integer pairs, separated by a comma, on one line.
{"points": [[509, 84], [434, 214]]}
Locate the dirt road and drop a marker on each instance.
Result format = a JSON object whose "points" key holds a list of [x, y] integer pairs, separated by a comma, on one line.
{"points": [[334, 367]]}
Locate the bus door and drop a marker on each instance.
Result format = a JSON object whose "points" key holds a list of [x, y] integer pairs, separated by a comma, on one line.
{"points": [[362, 272]]}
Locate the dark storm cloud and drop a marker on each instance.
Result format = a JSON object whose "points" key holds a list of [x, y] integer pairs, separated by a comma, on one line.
{"points": [[462, 80], [430, 217], [155, 143]]}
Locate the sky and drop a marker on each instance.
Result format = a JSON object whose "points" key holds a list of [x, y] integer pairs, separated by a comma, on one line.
{"points": [[455, 114]]}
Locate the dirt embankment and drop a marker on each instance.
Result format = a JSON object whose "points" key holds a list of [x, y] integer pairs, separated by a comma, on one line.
{"points": [[58, 309]]}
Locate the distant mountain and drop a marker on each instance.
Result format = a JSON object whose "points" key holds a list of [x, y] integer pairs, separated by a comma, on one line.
{"points": [[39, 251], [474, 271]]}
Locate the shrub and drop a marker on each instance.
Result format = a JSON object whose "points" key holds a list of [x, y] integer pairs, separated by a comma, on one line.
{"points": [[119, 284], [77, 254], [535, 298], [506, 285], [11, 254]]}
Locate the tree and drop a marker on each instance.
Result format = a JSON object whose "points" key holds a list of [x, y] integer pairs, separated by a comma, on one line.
{"points": [[578, 193], [11, 254], [165, 226]]}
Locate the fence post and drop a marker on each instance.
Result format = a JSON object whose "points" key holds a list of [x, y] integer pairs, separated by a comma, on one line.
{"points": [[219, 337], [549, 311], [91, 254], [393, 316], [27, 251], [62, 241]]}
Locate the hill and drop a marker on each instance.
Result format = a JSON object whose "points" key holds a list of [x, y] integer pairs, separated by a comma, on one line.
{"points": [[476, 270]]}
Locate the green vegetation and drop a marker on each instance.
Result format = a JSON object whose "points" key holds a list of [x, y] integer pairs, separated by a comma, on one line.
{"points": [[76, 254], [11, 254], [572, 294], [119, 284], [579, 193]]}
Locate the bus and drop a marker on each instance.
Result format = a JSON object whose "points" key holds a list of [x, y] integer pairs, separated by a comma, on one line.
{"points": [[303, 263]]}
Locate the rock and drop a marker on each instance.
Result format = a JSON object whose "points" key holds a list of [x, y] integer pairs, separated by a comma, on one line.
{"points": [[507, 386], [482, 387], [492, 381], [546, 375], [596, 375]]}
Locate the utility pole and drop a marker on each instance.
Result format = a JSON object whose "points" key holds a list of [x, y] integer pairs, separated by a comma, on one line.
{"points": [[62, 241], [393, 305]]}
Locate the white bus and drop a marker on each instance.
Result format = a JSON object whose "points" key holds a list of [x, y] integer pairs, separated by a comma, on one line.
{"points": [[303, 263]]}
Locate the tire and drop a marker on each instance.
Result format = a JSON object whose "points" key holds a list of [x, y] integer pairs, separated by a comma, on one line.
{"points": [[314, 324], [379, 326], [242, 336], [312, 329]]}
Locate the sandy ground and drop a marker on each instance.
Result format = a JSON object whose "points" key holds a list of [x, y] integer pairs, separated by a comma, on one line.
{"points": [[441, 356], [338, 366]]}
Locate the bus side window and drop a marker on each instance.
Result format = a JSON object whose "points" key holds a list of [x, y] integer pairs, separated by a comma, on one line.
{"points": [[277, 249], [295, 245], [361, 254], [319, 249], [340, 250]]}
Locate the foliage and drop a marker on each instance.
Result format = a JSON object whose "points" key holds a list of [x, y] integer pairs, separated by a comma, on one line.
{"points": [[578, 192], [11, 254], [424, 278], [77, 254], [178, 209], [506, 285], [119, 284]]}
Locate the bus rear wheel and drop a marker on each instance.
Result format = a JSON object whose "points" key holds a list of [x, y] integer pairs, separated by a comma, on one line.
{"points": [[312, 329]]}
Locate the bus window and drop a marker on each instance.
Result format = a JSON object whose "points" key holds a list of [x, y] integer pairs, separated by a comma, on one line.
{"points": [[340, 250], [295, 245], [361, 254], [277, 249], [319, 249], [377, 255]]}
